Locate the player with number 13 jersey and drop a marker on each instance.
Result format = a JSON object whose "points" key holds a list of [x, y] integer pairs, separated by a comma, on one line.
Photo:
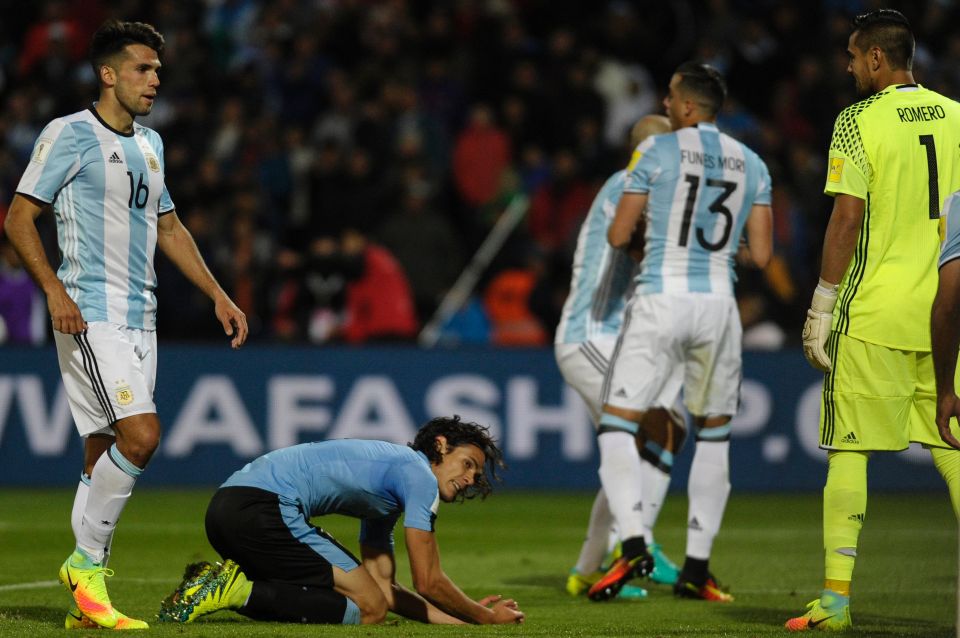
{"points": [[706, 183]]}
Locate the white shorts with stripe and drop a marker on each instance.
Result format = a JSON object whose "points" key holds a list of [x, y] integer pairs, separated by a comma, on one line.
{"points": [[109, 372], [693, 341], [583, 366]]}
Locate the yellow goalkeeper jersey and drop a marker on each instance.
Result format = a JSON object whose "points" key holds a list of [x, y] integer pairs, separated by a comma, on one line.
{"points": [[899, 151]]}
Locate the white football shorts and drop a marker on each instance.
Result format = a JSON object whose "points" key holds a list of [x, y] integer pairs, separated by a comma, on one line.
{"points": [[583, 366], [691, 341], [109, 372]]}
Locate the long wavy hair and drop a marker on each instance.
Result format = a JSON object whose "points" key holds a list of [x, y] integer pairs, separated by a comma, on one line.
{"points": [[458, 433]]}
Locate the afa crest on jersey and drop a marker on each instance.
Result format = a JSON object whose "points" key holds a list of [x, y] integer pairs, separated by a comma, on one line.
{"points": [[124, 394]]}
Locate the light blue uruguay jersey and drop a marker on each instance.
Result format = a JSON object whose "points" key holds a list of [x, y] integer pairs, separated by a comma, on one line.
{"points": [[371, 480], [107, 191], [602, 279], [950, 218], [702, 184]]}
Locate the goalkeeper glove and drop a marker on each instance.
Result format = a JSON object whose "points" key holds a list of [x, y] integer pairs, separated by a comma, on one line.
{"points": [[816, 329]]}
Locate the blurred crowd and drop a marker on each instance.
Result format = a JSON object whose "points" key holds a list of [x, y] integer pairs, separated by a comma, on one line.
{"points": [[339, 162]]}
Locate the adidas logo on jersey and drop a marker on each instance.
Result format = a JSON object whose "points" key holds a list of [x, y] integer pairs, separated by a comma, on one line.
{"points": [[857, 517], [694, 524], [621, 393], [850, 438], [115, 159], [638, 507]]}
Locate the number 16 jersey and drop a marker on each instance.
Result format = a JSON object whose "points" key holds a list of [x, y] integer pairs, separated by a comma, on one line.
{"points": [[898, 151], [107, 190], [702, 185]]}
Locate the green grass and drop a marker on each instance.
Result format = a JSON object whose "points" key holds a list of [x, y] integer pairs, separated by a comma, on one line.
{"points": [[521, 545]]}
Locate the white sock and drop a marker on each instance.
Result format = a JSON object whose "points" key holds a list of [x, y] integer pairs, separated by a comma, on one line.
{"points": [[111, 484], [708, 490], [76, 516], [622, 481], [656, 482], [79, 504], [595, 544]]}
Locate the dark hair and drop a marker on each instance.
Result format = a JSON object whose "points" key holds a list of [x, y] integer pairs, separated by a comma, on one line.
{"points": [[459, 433], [113, 35], [705, 82], [889, 31]]}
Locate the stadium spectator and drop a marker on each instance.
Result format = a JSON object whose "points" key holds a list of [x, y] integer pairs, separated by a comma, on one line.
{"points": [[277, 566], [557, 206], [426, 246], [378, 302], [507, 304], [480, 156]]}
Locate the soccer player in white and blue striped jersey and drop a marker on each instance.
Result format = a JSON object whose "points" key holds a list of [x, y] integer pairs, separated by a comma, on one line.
{"points": [[103, 176], [691, 193], [601, 284]]}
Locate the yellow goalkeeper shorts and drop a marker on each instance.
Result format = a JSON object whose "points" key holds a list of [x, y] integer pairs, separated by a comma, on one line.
{"points": [[878, 398]]}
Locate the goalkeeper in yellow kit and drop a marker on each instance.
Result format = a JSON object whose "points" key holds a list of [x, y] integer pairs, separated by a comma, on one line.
{"points": [[893, 160]]}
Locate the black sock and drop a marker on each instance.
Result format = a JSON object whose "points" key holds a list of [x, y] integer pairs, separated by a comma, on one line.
{"points": [[633, 547], [694, 571], [285, 602]]}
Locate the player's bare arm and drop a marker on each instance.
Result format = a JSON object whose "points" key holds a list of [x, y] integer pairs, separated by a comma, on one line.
{"points": [[840, 240], [20, 227], [175, 241], [760, 235], [432, 583], [382, 567], [628, 217], [843, 231], [945, 340]]}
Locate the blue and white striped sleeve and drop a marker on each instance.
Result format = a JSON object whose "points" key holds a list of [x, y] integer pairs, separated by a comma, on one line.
{"points": [[644, 167], [764, 186], [166, 202], [950, 218], [53, 163]]}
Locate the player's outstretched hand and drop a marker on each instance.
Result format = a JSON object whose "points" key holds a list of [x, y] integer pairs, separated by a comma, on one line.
{"points": [[505, 610], [65, 313], [233, 320], [948, 406]]}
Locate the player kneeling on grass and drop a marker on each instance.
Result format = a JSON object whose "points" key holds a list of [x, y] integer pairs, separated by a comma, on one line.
{"points": [[277, 566]]}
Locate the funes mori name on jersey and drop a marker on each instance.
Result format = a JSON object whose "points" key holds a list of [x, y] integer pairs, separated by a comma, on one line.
{"points": [[921, 113], [707, 160]]}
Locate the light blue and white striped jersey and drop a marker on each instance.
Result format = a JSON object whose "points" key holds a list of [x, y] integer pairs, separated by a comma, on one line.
{"points": [[950, 246], [602, 279], [371, 480], [107, 191], [702, 184]]}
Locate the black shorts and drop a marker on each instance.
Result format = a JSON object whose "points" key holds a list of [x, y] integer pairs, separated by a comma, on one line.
{"points": [[271, 539]]}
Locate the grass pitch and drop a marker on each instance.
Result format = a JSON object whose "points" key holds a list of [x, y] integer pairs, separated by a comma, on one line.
{"points": [[521, 544]]}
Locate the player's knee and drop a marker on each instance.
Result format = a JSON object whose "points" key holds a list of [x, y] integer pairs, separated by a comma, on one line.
{"points": [[138, 437]]}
